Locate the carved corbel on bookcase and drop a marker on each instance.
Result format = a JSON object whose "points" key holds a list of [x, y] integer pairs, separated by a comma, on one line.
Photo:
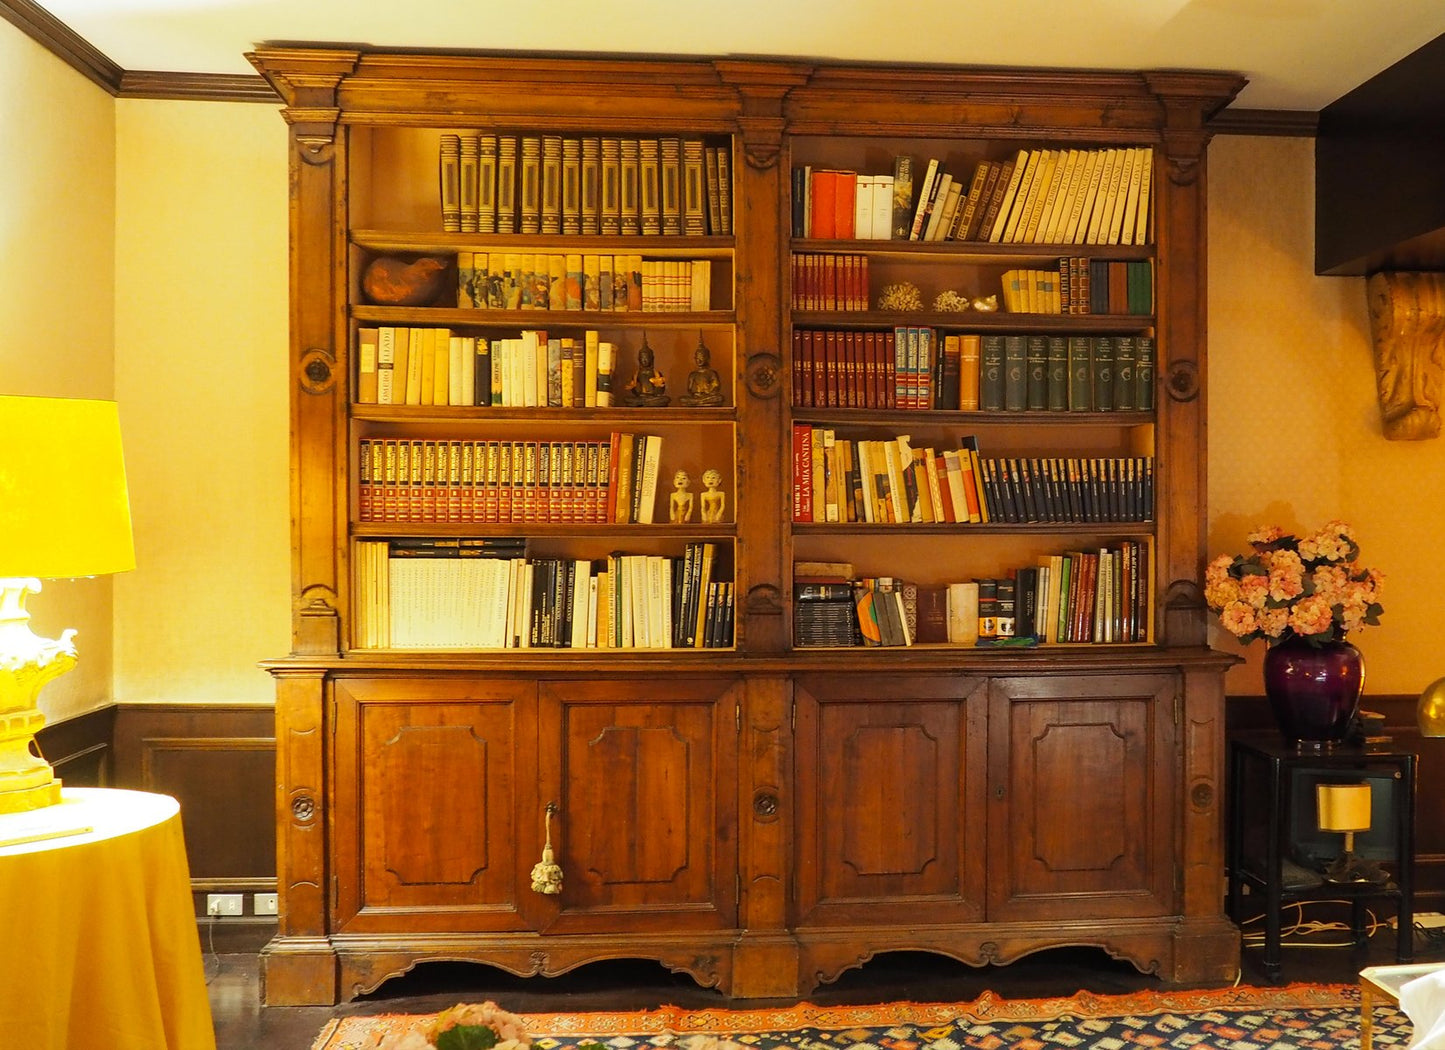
{"points": [[1407, 327]]}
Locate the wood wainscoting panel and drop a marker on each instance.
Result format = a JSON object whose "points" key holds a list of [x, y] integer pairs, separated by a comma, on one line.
{"points": [[80, 748], [219, 761]]}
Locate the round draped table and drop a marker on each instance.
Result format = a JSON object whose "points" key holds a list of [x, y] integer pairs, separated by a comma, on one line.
{"points": [[100, 943]]}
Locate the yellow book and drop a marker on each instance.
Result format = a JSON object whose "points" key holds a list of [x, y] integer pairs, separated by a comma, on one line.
{"points": [[1045, 185], [441, 340], [1114, 221], [408, 351], [1146, 186], [1010, 220], [1089, 232], [1051, 229], [1081, 196], [367, 383], [995, 234], [1131, 198], [589, 369], [423, 347]]}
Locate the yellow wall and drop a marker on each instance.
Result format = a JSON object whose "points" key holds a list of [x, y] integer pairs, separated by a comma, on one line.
{"points": [[201, 344], [57, 284], [1294, 427]]}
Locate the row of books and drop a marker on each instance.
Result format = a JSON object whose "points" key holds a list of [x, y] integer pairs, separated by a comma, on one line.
{"points": [[921, 368], [829, 281], [418, 480], [537, 281], [1082, 286], [605, 185], [434, 366], [889, 482], [831, 204], [839, 281], [1024, 372], [1040, 196], [452, 596], [1099, 596]]}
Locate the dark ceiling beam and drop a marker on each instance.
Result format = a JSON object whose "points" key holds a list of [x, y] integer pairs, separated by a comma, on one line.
{"points": [[1380, 171]]}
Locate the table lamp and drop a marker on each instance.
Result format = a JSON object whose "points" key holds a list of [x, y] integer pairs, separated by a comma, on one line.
{"points": [[63, 513], [1431, 709], [1346, 808]]}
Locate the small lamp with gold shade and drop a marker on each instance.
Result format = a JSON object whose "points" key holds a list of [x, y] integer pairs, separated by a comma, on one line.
{"points": [[64, 513], [1346, 808]]}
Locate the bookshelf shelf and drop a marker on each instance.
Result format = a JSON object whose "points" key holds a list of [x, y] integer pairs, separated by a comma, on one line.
{"points": [[542, 530], [751, 761], [972, 252], [672, 247], [720, 320], [974, 320]]}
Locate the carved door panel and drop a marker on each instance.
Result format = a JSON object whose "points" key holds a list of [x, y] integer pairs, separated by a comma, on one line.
{"points": [[644, 777], [1081, 797], [428, 777], [890, 800]]}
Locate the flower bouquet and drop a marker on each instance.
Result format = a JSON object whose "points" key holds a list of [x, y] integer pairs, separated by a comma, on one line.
{"points": [[1311, 588], [464, 1027]]}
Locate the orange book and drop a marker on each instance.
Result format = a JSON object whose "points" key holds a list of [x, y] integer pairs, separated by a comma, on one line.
{"points": [[824, 216]]}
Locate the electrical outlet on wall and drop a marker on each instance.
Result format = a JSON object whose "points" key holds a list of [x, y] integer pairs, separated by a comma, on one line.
{"points": [[225, 903], [264, 904]]}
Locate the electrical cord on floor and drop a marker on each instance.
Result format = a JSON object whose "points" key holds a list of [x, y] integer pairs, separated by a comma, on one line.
{"points": [[211, 956], [1302, 928]]}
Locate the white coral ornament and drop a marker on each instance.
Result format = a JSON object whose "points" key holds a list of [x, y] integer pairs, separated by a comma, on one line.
{"points": [[949, 302], [901, 296]]}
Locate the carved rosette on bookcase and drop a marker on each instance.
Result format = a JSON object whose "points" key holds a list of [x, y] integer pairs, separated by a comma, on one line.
{"points": [[771, 861]]}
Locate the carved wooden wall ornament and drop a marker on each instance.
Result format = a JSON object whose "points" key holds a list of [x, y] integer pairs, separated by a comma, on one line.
{"points": [[1407, 327]]}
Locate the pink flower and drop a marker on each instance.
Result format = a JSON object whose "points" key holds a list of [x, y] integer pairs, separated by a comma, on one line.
{"points": [[1273, 622], [1220, 594], [1264, 536], [1286, 575], [1311, 615], [1254, 590], [1238, 619]]}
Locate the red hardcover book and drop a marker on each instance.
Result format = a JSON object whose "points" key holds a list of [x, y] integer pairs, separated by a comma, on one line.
{"points": [[830, 376], [802, 366], [824, 212], [802, 472], [845, 196]]}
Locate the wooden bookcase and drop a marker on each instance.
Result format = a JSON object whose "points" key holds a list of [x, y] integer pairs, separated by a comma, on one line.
{"points": [[760, 816]]}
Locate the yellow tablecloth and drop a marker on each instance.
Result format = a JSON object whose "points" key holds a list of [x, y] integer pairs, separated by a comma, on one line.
{"points": [[98, 941]]}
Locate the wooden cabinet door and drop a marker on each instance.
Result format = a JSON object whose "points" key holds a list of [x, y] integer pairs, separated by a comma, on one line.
{"points": [[428, 772], [644, 776], [890, 799], [1081, 792]]}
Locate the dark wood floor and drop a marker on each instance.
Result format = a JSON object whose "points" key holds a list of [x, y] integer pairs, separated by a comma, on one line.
{"points": [[242, 1023]]}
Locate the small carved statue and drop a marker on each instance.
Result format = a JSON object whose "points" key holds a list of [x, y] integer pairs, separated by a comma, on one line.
{"points": [[648, 386], [680, 508], [714, 499], [704, 388]]}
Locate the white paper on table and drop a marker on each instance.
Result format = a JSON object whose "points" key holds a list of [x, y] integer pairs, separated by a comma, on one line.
{"points": [[1423, 1002]]}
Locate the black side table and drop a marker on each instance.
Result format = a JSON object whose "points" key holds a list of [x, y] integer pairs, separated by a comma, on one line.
{"points": [[1263, 783]]}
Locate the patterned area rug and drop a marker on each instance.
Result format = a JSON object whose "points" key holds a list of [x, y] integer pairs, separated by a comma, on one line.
{"points": [[1304, 1016]]}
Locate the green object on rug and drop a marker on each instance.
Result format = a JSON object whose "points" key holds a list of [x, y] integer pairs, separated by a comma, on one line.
{"points": [[1292, 1017]]}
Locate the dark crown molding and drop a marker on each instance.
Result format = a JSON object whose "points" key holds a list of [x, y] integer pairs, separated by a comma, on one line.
{"points": [[68, 46], [1275, 122]]}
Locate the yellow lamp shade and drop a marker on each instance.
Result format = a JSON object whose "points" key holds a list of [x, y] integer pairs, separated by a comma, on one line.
{"points": [[1343, 807], [63, 505]]}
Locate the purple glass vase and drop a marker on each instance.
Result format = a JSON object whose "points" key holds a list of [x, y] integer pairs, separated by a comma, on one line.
{"points": [[1314, 690]]}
